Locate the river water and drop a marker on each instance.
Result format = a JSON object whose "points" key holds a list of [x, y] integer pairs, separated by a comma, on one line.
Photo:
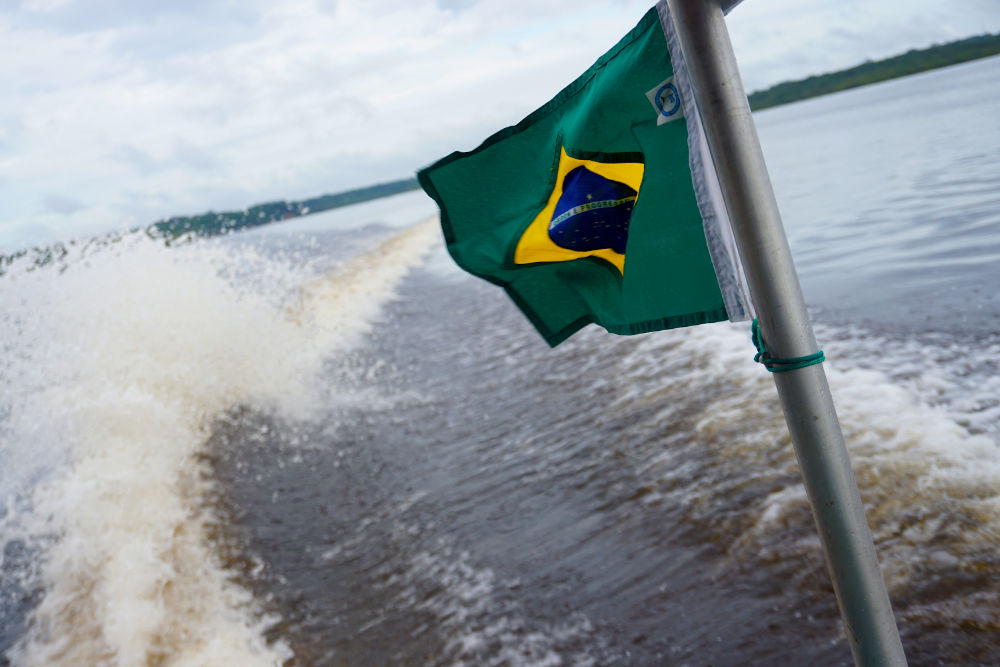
{"points": [[320, 443]]}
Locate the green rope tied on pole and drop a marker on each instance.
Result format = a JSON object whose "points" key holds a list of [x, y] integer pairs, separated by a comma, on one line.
{"points": [[775, 365]]}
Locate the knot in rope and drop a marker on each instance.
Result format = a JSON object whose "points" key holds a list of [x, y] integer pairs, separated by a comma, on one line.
{"points": [[774, 364]]}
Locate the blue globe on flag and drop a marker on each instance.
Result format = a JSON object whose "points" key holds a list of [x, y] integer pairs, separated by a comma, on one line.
{"points": [[593, 213]]}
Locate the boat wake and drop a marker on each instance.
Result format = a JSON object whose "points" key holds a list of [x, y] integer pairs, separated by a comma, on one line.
{"points": [[117, 364]]}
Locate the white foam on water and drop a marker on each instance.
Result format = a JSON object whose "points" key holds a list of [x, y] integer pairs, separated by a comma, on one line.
{"points": [[116, 365], [919, 418], [484, 625]]}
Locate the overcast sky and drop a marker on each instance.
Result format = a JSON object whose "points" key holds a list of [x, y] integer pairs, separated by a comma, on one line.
{"points": [[117, 113]]}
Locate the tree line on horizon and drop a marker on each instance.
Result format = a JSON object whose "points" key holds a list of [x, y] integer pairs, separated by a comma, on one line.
{"points": [[913, 61], [213, 224], [209, 224]]}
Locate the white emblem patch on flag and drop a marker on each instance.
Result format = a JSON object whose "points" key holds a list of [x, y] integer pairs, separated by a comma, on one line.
{"points": [[667, 101]]}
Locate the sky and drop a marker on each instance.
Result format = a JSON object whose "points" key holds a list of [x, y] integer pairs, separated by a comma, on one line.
{"points": [[118, 113]]}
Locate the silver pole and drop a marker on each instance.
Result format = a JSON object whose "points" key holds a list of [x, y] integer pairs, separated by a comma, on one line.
{"points": [[804, 393]]}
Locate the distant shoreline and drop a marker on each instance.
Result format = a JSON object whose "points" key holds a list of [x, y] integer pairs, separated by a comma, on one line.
{"points": [[182, 228], [213, 224], [911, 62]]}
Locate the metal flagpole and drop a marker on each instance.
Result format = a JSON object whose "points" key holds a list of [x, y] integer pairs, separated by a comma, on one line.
{"points": [[804, 393]]}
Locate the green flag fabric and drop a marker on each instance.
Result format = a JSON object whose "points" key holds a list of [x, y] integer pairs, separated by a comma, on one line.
{"points": [[602, 206]]}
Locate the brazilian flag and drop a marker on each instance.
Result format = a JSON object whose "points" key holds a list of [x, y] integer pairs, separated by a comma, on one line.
{"points": [[601, 206]]}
